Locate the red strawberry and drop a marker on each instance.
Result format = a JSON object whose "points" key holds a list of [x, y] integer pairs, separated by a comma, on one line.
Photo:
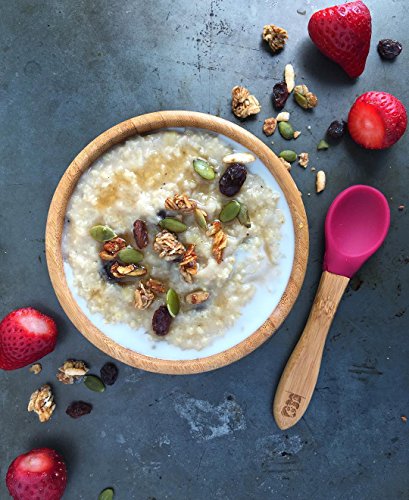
{"points": [[343, 33], [377, 120], [39, 474], [26, 335]]}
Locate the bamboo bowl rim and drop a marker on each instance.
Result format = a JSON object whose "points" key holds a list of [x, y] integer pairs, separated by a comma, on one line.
{"points": [[141, 125]]}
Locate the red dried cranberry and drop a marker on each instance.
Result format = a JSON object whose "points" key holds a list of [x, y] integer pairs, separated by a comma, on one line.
{"points": [[78, 409], [280, 95], [233, 178], [109, 373], [161, 321], [389, 49]]}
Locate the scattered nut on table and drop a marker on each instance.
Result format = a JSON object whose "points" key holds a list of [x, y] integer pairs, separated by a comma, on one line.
{"points": [[289, 77], [303, 159], [275, 36], [284, 116], [42, 403], [320, 181], [243, 104], [285, 163], [36, 368], [72, 371], [304, 97], [269, 126], [297, 134]]}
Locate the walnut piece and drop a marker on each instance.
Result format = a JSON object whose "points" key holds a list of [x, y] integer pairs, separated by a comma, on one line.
{"points": [[285, 163], [304, 97], [188, 267], [320, 181], [36, 368], [111, 248], [219, 240], [119, 271], [155, 286], [143, 297], [42, 403], [303, 159], [71, 371], [275, 37], [269, 126], [243, 104], [197, 297], [180, 202], [168, 246]]}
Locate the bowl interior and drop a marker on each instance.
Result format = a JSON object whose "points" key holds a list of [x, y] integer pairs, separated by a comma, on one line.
{"points": [[269, 290]]}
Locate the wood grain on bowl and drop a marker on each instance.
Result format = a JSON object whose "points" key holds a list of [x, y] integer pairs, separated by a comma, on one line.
{"points": [[142, 125]]}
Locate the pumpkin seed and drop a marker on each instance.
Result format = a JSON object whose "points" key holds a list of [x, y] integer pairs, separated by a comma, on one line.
{"points": [[230, 211], [204, 169], [242, 158], [322, 145], [130, 255], [288, 155], [173, 225], [94, 383], [172, 302], [243, 216], [200, 219], [286, 130], [102, 233], [107, 494]]}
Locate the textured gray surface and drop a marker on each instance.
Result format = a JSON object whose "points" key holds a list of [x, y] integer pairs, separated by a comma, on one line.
{"points": [[69, 70]]}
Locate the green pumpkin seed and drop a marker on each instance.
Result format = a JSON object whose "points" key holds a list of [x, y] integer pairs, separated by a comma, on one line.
{"points": [[94, 383], [200, 219], [173, 225], [172, 302], [130, 255], [230, 211], [322, 145], [286, 130], [102, 233], [204, 169], [288, 155], [107, 494], [243, 216]]}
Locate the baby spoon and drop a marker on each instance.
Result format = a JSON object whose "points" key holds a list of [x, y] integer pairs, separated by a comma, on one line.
{"points": [[355, 227]]}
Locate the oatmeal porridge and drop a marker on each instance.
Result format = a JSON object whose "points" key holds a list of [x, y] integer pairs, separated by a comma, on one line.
{"points": [[170, 232]]}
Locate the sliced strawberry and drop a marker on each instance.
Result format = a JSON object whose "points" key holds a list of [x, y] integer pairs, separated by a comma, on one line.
{"points": [[343, 33], [39, 474], [377, 120], [26, 335]]}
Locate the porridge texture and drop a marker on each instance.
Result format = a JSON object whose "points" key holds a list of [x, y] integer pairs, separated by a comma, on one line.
{"points": [[131, 182]]}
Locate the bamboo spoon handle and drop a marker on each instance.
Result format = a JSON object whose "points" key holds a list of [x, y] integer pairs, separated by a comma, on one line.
{"points": [[300, 375]]}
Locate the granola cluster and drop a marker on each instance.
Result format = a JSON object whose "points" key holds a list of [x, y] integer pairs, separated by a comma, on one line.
{"points": [[188, 267], [275, 36], [243, 104], [111, 248], [72, 371], [180, 202], [42, 403], [219, 240], [168, 246], [143, 296]]}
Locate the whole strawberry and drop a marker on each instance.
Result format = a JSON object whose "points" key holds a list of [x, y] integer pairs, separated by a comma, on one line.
{"points": [[343, 33], [26, 335], [39, 474], [377, 120]]}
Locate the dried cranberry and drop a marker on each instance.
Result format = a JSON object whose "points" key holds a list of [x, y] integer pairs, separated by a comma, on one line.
{"points": [[389, 49], [337, 129], [78, 409], [161, 321], [140, 233], [233, 178], [280, 95], [109, 373]]}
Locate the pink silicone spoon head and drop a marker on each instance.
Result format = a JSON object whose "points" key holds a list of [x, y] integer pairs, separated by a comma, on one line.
{"points": [[356, 226]]}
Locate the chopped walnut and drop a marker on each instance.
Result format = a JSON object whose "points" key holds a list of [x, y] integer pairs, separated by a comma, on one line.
{"points": [[42, 403], [219, 240], [119, 271], [304, 97], [180, 202], [285, 163], [111, 248], [320, 181], [72, 371], [143, 297], [168, 246], [188, 267], [275, 37], [155, 286], [36, 368], [303, 159], [197, 297], [243, 104], [269, 126]]}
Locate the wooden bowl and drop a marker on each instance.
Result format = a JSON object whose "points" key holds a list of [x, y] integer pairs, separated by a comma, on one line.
{"points": [[142, 125]]}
